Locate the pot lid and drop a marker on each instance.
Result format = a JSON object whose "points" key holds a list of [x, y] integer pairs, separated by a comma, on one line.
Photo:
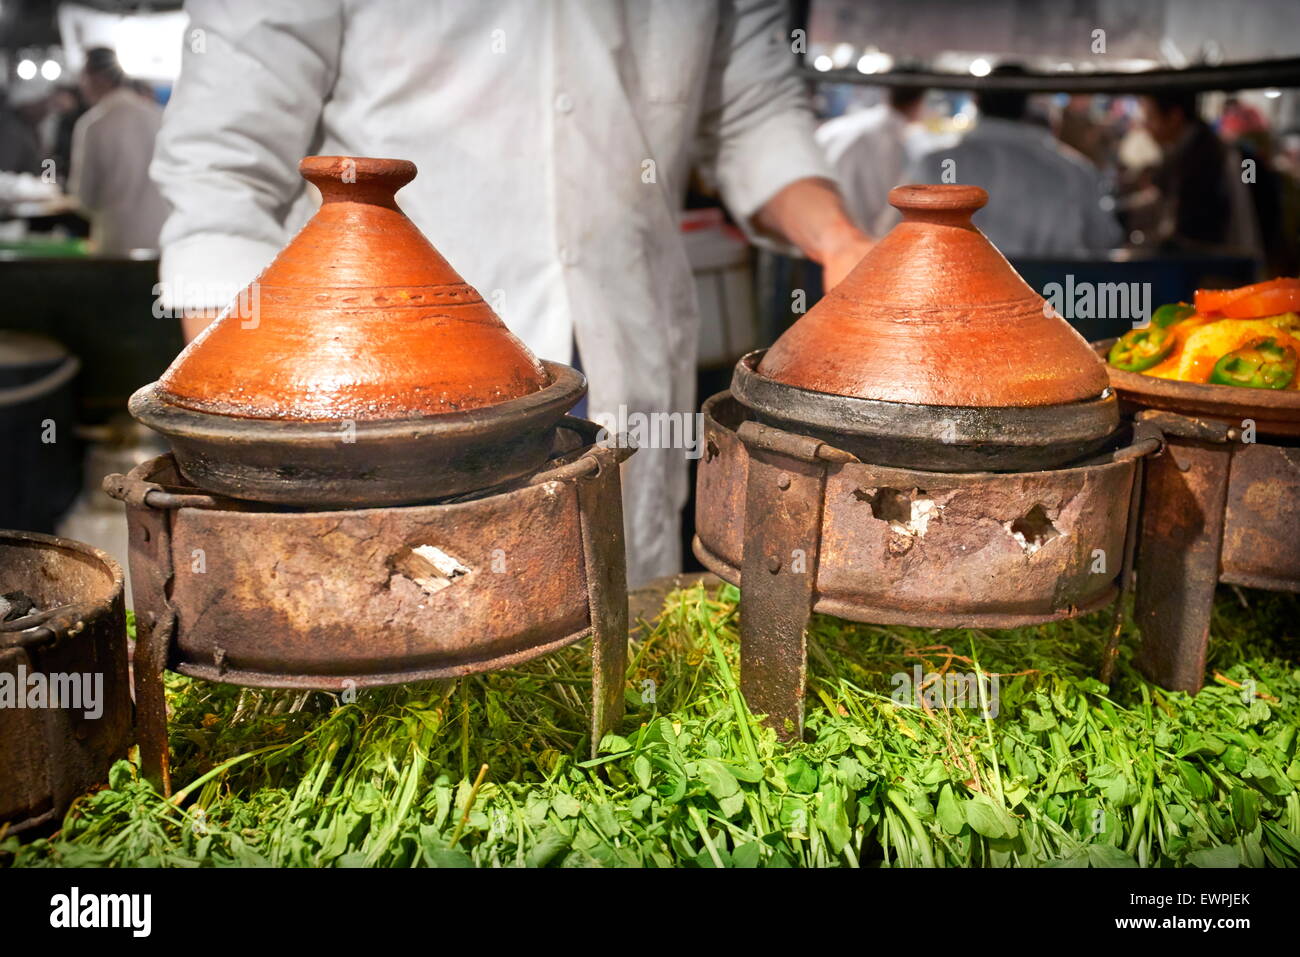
{"points": [[935, 315], [358, 317]]}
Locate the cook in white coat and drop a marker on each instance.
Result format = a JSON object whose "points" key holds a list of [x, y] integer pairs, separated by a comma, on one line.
{"points": [[112, 144], [553, 142]]}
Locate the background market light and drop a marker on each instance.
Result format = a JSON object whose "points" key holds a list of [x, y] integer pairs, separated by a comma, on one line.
{"points": [[27, 69], [51, 70], [980, 67], [873, 61]]}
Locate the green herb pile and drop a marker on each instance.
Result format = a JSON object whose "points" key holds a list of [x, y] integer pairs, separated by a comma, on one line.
{"points": [[492, 770]]}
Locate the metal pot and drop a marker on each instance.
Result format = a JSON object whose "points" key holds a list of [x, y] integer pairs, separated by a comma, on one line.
{"points": [[76, 646], [385, 462]]}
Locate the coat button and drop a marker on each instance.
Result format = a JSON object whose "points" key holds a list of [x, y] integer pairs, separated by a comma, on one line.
{"points": [[564, 103]]}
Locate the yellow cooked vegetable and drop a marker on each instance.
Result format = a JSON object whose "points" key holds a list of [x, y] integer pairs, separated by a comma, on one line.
{"points": [[1207, 344], [1168, 367]]}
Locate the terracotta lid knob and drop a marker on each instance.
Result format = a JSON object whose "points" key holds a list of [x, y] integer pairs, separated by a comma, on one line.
{"points": [[934, 203], [357, 179]]}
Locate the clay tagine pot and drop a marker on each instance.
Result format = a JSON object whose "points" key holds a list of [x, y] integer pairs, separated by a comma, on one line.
{"points": [[358, 368], [934, 353]]}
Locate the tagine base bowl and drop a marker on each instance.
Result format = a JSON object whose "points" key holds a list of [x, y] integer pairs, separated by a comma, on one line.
{"points": [[346, 463]]}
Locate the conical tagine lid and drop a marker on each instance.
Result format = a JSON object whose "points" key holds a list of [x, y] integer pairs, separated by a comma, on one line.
{"points": [[935, 315], [359, 317]]}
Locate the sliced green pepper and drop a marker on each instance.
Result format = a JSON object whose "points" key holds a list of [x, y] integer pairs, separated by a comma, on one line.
{"points": [[1262, 364], [1171, 314], [1140, 349]]}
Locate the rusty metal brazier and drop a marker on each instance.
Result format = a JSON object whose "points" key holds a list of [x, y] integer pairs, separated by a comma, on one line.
{"points": [[1216, 509], [258, 595], [55, 750], [1220, 504], [802, 526]]}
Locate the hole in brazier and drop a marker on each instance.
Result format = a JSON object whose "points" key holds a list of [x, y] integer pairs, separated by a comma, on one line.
{"points": [[429, 567], [908, 511], [887, 504], [1033, 530]]}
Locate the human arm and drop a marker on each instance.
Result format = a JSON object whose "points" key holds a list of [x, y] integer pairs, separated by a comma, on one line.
{"points": [[246, 109], [757, 143], [809, 213]]}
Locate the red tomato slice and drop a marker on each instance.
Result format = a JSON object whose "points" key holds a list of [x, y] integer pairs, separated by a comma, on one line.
{"points": [[1270, 302], [1210, 302]]}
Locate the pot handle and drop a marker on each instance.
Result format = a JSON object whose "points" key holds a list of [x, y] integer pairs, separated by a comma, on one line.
{"points": [[1186, 427]]}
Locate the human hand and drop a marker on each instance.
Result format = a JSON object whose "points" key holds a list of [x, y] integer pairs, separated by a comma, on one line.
{"points": [[841, 258]]}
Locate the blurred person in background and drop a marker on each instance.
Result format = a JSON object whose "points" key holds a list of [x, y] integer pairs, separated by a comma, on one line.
{"points": [[1045, 199], [112, 144], [1204, 204], [1076, 128], [1240, 119], [142, 88], [553, 143], [1245, 128], [868, 149], [1287, 163], [66, 107], [20, 150], [1288, 153]]}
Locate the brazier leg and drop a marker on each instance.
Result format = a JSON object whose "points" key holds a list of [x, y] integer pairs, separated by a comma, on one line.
{"points": [[1178, 559], [149, 552], [151, 646], [601, 502], [783, 509], [1126, 573]]}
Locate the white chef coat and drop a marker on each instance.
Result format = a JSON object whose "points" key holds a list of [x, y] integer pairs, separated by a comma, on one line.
{"points": [[112, 144], [553, 142], [869, 152], [1045, 199]]}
